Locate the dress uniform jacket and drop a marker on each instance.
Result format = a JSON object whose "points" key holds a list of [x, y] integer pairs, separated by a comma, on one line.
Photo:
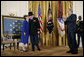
{"points": [[34, 26]]}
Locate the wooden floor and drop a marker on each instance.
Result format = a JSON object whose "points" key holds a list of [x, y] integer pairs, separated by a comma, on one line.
{"points": [[50, 51]]}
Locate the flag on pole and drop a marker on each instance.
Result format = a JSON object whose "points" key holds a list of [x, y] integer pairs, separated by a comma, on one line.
{"points": [[60, 10], [49, 12], [61, 28], [40, 18]]}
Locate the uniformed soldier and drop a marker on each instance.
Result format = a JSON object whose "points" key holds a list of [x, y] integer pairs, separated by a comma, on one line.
{"points": [[34, 30], [71, 31]]}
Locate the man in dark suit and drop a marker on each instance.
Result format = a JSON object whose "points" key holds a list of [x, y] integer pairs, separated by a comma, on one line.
{"points": [[71, 31], [34, 30], [79, 24]]}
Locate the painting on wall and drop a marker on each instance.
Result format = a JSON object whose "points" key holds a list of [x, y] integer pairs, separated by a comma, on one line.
{"points": [[12, 25]]}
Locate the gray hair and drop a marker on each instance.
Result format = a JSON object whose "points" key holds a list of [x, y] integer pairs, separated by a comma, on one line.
{"points": [[71, 10]]}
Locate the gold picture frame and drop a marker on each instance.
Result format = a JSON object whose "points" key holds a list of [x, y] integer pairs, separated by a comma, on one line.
{"points": [[4, 25]]}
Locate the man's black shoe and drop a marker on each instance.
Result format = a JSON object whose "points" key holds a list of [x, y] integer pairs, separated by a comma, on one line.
{"points": [[33, 50], [39, 49], [68, 51], [74, 52]]}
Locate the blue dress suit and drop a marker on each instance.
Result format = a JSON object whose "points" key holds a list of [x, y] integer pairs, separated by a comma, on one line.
{"points": [[71, 32], [25, 28]]}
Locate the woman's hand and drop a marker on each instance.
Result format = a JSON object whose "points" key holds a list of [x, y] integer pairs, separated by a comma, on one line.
{"points": [[24, 33]]}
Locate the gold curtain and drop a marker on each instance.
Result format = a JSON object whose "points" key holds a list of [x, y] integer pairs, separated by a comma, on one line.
{"points": [[45, 39]]}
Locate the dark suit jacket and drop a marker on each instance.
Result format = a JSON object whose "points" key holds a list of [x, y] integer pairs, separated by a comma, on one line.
{"points": [[34, 26], [71, 23], [79, 26]]}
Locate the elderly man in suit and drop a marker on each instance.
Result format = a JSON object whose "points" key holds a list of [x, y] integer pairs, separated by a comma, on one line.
{"points": [[71, 31]]}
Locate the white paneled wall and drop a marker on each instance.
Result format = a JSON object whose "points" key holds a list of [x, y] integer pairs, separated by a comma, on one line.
{"points": [[78, 10], [19, 8]]}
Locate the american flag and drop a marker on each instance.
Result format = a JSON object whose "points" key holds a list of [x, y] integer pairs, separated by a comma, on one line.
{"points": [[49, 12], [40, 18]]}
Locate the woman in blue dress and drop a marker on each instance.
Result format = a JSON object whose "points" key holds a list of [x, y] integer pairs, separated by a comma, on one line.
{"points": [[25, 32]]}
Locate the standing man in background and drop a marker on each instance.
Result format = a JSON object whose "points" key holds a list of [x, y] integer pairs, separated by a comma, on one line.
{"points": [[71, 31], [80, 30]]}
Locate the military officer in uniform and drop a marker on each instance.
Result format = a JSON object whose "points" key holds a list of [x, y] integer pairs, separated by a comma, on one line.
{"points": [[34, 30]]}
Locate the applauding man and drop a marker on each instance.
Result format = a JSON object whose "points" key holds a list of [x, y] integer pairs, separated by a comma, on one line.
{"points": [[71, 31]]}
